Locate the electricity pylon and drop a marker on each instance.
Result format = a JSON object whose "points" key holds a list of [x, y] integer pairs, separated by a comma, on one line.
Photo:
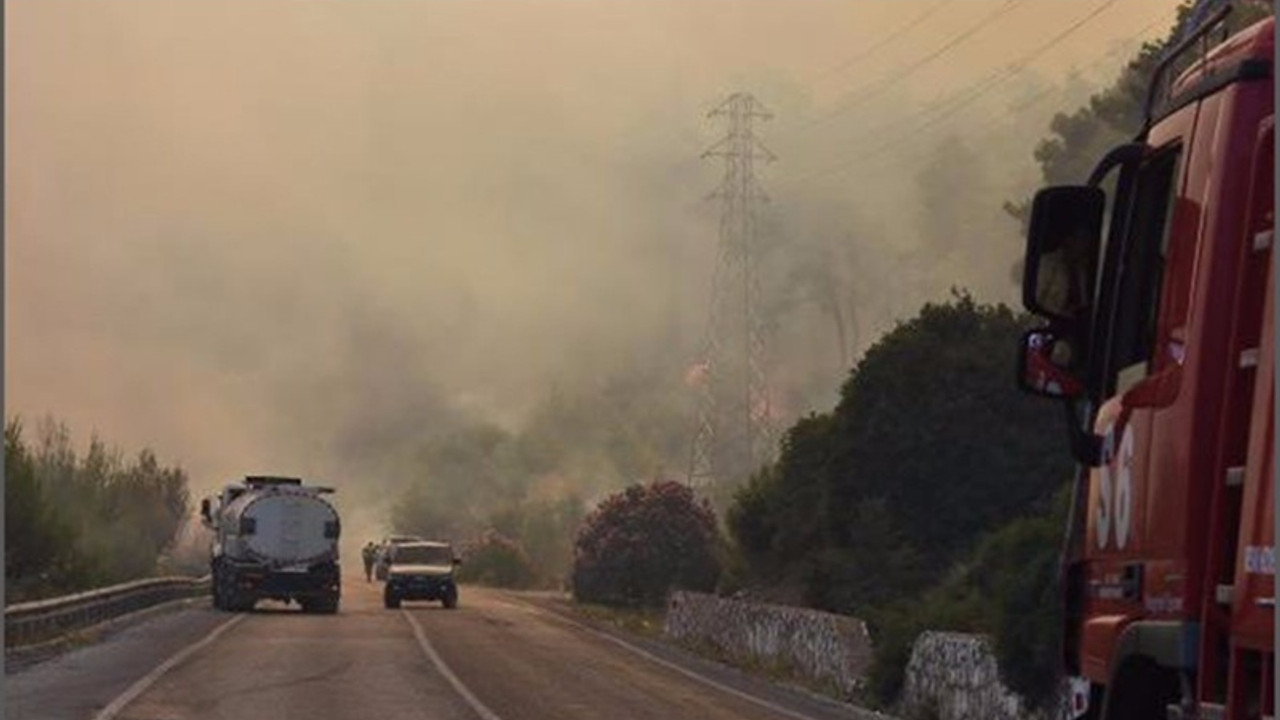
{"points": [[734, 431]]}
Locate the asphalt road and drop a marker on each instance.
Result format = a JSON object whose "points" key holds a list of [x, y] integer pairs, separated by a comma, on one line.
{"points": [[499, 656]]}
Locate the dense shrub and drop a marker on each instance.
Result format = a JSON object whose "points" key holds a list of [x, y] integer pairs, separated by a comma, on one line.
{"points": [[544, 528], [1007, 589], [78, 521], [952, 605], [496, 560], [1017, 567], [37, 535], [644, 541], [922, 500]]}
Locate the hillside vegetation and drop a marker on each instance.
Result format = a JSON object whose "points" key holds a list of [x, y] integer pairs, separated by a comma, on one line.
{"points": [[74, 522]]}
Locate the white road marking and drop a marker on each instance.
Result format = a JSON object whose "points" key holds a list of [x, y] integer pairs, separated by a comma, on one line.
{"points": [[115, 706], [481, 709], [688, 673]]}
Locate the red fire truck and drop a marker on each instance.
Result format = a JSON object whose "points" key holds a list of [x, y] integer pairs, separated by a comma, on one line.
{"points": [[1155, 280]]}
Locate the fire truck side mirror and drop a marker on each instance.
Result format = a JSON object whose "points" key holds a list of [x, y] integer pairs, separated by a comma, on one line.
{"points": [[1062, 252], [1044, 362]]}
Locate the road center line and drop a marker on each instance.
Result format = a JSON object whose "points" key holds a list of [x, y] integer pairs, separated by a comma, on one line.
{"points": [[682, 670], [481, 709], [115, 706]]}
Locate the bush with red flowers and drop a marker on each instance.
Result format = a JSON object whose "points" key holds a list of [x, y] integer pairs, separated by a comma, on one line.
{"points": [[643, 542]]}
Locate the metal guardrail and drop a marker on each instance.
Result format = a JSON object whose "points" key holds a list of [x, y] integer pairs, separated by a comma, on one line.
{"points": [[33, 622]]}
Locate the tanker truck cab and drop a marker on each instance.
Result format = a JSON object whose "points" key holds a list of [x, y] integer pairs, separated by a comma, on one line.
{"points": [[274, 539], [1159, 342]]}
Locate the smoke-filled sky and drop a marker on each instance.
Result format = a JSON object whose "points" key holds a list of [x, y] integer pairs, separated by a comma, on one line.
{"points": [[250, 234]]}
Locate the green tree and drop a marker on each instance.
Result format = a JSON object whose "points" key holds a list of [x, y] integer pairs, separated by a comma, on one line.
{"points": [[772, 517], [885, 508], [932, 422], [866, 571], [930, 446], [544, 530], [421, 511], [498, 561], [74, 523], [459, 474], [36, 536], [1079, 138]]}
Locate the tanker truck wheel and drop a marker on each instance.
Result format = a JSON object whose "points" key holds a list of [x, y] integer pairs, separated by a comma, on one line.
{"points": [[224, 591], [229, 596], [215, 590], [237, 602]]}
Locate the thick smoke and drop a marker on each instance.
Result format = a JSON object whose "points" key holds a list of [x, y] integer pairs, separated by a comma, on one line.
{"points": [[308, 237]]}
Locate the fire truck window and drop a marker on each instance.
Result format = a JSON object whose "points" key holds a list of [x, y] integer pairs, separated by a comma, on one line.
{"points": [[1142, 270], [1109, 186]]}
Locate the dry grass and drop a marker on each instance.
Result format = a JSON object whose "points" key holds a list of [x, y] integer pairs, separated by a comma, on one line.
{"points": [[638, 621]]}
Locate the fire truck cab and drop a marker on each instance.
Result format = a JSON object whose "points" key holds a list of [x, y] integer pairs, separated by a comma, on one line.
{"points": [[1155, 279]]}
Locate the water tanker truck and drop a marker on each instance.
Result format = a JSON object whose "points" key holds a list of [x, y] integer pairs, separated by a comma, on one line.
{"points": [[274, 539]]}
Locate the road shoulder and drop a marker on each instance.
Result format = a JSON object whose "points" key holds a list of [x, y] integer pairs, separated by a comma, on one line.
{"points": [[76, 681], [797, 699], [24, 657]]}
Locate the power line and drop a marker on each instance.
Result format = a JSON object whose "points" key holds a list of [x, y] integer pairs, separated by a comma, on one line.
{"points": [[867, 92], [1038, 97], [1010, 72], [960, 100], [1043, 94], [903, 30]]}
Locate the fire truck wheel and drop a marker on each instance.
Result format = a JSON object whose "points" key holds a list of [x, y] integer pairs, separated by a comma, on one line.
{"points": [[1141, 690]]}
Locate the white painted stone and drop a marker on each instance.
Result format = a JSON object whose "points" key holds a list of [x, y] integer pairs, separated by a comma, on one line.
{"points": [[950, 676], [818, 645], [953, 676]]}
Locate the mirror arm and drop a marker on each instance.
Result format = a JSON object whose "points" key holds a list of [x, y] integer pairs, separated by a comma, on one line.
{"points": [[1120, 155], [1086, 447]]}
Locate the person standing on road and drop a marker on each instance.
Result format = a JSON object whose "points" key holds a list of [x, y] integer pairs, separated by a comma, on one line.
{"points": [[368, 555]]}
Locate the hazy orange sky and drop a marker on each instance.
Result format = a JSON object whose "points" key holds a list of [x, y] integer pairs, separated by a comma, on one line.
{"points": [[231, 224]]}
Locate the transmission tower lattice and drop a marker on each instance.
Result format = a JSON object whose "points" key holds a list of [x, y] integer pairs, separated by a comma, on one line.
{"points": [[734, 433]]}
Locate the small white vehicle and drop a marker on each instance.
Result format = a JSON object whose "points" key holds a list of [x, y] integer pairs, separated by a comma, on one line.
{"points": [[382, 560], [421, 571]]}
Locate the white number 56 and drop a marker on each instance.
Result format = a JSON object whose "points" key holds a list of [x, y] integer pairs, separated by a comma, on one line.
{"points": [[1115, 491]]}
